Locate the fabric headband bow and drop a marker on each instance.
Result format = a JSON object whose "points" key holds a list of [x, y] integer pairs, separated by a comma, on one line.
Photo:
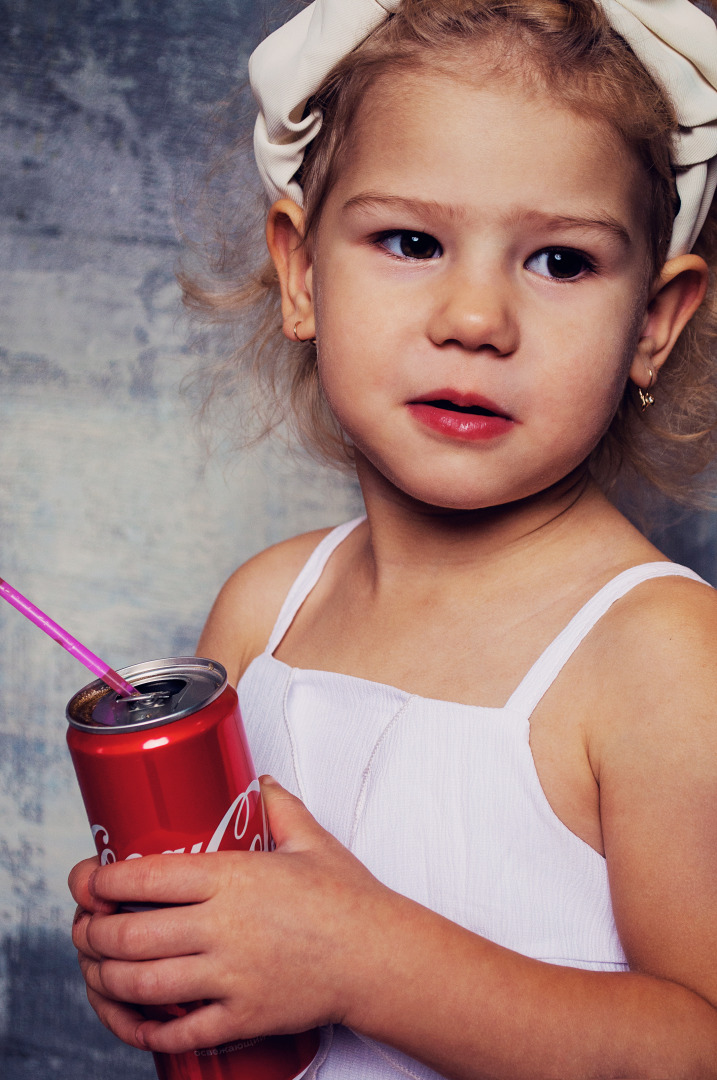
{"points": [[675, 41]]}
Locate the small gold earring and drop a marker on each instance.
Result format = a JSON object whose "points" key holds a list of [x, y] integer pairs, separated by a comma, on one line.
{"points": [[646, 398], [301, 340]]}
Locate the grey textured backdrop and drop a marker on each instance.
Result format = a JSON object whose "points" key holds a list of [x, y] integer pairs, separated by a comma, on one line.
{"points": [[111, 518]]}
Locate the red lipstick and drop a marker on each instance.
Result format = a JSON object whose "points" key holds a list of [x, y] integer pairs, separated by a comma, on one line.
{"points": [[469, 417]]}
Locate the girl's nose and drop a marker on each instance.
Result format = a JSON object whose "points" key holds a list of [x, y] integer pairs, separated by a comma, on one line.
{"points": [[475, 314]]}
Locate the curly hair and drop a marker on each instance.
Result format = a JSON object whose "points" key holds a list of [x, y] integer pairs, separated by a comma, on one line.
{"points": [[566, 47]]}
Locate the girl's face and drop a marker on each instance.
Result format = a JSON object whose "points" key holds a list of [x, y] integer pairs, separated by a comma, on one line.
{"points": [[479, 288]]}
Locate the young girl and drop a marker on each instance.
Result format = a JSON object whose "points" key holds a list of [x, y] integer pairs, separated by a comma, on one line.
{"points": [[488, 706]]}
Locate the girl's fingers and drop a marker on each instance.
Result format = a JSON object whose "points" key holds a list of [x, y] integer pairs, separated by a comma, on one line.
{"points": [[79, 934], [155, 982], [141, 935], [78, 882], [292, 825], [160, 879], [206, 1026], [122, 1020]]}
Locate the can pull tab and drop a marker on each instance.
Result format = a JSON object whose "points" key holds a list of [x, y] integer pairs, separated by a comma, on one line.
{"points": [[155, 699]]}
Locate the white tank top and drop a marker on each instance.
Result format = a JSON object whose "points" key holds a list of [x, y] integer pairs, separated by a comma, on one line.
{"points": [[441, 801]]}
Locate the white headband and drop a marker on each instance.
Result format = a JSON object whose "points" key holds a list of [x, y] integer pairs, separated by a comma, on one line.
{"points": [[675, 41]]}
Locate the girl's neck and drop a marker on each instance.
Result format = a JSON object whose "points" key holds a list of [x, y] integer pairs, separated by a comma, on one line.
{"points": [[406, 535]]}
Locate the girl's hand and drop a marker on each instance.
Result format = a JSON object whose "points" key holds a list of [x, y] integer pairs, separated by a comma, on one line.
{"points": [[273, 941]]}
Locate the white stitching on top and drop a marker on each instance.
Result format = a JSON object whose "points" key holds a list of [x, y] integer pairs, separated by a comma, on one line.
{"points": [[292, 744], [378, 1049], [361, 799]]}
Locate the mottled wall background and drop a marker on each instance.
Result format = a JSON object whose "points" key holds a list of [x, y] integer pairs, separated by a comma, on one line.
{"points": [[111, 517]]}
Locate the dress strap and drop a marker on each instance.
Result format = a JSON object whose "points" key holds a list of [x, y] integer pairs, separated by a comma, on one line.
{"points": [[307, 578], [551, 662]]}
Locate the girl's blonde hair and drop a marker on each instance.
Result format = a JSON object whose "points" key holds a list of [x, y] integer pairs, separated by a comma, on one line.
{"points": [[566, 47]]}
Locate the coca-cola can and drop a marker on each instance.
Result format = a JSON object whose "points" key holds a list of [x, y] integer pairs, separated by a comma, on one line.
{"points": [[169, 771]]}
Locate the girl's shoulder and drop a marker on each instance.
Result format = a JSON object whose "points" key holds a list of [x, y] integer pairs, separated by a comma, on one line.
{"points": [[653, 748], [667, 619], [244, 613], [663, 629], [653, 667]]}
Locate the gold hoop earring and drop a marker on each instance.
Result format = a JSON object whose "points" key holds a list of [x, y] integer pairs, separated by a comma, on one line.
{"points": [[312, 340], [646, 398]]}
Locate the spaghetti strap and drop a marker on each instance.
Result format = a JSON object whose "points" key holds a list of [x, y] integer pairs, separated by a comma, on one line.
{"points": [[551, 662], [307, 578]]}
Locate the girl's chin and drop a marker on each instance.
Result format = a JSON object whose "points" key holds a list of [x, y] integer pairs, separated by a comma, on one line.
{"points": [[450, 498], [446, 494]]}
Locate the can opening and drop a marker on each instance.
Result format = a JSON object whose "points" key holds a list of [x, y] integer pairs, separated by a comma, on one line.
{"points": [[153, 693], [157, 697], [167, 690]]}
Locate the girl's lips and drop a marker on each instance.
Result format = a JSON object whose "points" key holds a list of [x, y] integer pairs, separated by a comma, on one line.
{"points": [[461, 416]]}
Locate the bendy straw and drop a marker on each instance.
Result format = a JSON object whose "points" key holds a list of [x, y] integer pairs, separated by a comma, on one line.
{"points": [[75, 648]]}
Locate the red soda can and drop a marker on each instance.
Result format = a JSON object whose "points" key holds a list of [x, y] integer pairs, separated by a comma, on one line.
{"points": [[169, 771]]}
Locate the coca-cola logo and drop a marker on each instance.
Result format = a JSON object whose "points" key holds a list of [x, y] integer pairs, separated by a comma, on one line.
{"points": [[239, 814]]}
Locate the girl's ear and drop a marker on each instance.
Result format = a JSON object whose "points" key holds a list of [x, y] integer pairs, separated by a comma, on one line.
{"points": [[284, 237], [674, 298]]}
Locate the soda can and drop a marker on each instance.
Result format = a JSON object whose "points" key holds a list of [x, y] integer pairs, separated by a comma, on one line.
{"points": [[169, 771]]}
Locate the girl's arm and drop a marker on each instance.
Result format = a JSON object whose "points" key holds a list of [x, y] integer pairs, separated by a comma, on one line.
{"points": [[244, 613], [305, 935]]}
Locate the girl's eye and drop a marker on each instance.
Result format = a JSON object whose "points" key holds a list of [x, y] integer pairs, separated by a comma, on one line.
{"points": [[560, 264], [411, 245]]}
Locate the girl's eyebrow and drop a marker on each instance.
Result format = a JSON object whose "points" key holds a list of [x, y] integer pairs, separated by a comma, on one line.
{"points": [[604, 222], [367, 200], [429, 208]]}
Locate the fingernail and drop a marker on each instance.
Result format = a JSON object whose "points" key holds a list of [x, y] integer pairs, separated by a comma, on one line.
{"points": [[100, 903], [269, 780]]}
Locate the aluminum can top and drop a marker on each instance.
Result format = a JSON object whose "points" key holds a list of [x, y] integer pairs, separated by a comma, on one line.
{"points": [[169, 690]]}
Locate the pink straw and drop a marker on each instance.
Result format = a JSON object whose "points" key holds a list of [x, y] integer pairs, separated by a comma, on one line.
{"points": [[39, 618]]}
